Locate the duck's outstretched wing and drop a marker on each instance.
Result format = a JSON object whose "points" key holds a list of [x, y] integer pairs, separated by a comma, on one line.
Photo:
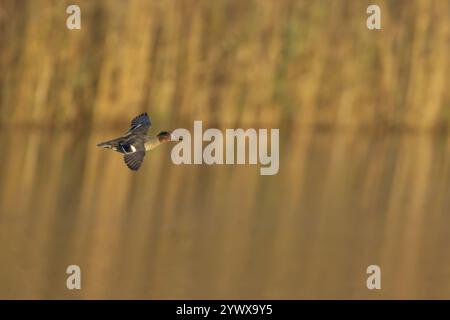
{"points": [[140, 124], [134, 160], [134, 153]]}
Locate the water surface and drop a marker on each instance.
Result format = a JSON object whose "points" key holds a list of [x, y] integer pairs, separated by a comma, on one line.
{"points": [[340, 202]]}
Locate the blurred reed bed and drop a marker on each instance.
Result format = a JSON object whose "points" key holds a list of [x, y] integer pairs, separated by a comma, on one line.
{"points": [[226, 61]]}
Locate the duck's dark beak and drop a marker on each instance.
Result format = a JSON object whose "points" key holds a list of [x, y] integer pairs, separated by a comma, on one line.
{"points": [[174, 138]]}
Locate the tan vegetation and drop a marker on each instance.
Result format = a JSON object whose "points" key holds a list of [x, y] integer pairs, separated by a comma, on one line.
{"points": [[229, 62]]}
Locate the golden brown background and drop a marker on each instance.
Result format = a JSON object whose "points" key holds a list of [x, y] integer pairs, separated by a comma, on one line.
{"points": [[365, 155]]}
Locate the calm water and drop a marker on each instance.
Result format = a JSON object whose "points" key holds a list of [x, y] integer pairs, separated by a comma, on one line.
{"points": [[339, 203]]}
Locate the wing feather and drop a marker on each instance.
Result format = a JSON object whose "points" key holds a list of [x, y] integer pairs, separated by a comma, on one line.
{"points": [[140, 124], [134, 160]]}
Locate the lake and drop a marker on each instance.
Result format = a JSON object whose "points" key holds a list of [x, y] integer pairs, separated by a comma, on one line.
{"points": [[341, 201]]}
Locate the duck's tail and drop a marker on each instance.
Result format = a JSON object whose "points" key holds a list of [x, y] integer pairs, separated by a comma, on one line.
{"points": [[111, 144]]}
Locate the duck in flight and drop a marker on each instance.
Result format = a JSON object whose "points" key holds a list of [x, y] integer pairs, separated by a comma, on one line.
{"points": [[135, 142]]}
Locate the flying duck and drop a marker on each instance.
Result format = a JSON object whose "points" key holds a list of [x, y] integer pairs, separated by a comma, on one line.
{"points": [[135, 141]]}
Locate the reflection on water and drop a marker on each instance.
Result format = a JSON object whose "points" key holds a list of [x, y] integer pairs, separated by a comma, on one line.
{"points": [[340, 202]]}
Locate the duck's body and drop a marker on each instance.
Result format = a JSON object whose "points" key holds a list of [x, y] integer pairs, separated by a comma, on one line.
{"points": [[125, 144], [135, 142]]}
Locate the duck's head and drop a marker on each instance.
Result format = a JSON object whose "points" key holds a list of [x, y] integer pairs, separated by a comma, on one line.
{"points": [[165, 136]]}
